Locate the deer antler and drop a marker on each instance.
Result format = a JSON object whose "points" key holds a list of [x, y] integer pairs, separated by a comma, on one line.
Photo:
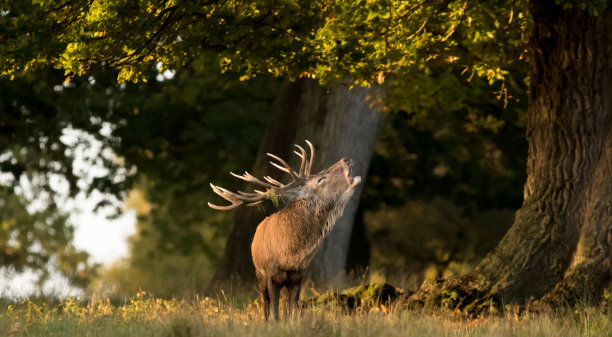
{"points": [[309, 167], [273, 187]]}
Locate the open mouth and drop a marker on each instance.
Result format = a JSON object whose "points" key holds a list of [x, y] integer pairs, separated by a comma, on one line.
{"points": [[353, 180]]}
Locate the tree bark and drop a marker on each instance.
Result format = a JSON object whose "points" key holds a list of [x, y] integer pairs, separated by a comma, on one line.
{"points": [[348, 126], [340, 123], [560, 246]]}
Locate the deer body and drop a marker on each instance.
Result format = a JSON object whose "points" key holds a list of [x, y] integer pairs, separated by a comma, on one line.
{"points": [[286, 242]]}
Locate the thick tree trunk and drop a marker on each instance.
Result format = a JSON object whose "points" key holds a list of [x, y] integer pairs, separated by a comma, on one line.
{"points": [[347, 126], [560, 245], [340, 123]]}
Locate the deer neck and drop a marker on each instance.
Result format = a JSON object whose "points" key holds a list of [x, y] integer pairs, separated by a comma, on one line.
{"points": [[321, 220]]}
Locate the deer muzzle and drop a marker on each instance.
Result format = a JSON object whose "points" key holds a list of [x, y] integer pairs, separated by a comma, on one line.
{"points": [[353, 180]]}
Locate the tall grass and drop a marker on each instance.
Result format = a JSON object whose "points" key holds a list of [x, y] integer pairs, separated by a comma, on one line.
{"points": [[147, 316]]}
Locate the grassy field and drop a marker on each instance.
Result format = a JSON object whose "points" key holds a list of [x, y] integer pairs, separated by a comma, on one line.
{"points": [[146, 316]]}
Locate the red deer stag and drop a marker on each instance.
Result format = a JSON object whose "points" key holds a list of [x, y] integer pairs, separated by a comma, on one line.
{"points": [[286, 241]]}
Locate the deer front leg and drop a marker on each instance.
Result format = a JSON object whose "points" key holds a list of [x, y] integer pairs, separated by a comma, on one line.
{"points": [[293, 296], [274, 293], [265, 300], [287, 304]]}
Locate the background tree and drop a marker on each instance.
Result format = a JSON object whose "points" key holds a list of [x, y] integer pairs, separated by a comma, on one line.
{"points": [[38, 150], [559, 239]]}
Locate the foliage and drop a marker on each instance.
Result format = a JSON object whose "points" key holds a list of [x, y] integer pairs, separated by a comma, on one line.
{"points": [[430, 240], [438, 152], [593, 6], [45, 123], [185, 132], [367, 41], [143, 315], [40, 241], [165, 272]]}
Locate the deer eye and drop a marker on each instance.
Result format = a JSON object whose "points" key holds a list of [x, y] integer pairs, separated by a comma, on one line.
{"points": [[320, 180]]}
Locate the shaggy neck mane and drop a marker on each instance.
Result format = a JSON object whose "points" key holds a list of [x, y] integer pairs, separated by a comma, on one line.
{"points": [[324, 216]]}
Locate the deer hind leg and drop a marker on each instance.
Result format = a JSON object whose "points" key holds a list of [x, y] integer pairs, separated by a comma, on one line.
{"points": [[287, 311], [293, 292], [274, 293], [265, 297]]}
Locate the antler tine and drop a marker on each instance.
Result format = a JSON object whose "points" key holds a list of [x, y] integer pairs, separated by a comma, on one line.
{"points": [[284, 168], [273, 181], [235, 199], [248, 177], [223, 208], [227, 194], [312, 152], [250, 195], [219, 191], [303, 156]]}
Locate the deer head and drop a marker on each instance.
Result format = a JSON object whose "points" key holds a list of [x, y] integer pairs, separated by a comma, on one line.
{"points": [[328, 186]]}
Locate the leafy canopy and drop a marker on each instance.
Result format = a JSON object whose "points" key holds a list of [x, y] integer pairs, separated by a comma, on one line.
{"points": [[367, 40]]}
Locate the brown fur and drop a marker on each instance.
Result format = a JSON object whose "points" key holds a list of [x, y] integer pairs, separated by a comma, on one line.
{"points": [[285, 242]]}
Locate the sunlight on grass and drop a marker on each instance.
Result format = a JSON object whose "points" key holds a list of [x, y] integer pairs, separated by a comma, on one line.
{"points": [[146, 316]]}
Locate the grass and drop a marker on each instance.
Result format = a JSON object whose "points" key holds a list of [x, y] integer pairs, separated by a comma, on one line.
{"points": [[147, 316]]}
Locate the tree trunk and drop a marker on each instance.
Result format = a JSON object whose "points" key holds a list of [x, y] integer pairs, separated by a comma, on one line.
{"points": [[340, 123], [560, 246], [347, 125]]}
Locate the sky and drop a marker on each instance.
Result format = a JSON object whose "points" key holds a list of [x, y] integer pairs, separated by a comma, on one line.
{"points": [[104, 239]]}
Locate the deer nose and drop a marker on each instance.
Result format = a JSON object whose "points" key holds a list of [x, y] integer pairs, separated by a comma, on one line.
{"points": [[348, 161]]}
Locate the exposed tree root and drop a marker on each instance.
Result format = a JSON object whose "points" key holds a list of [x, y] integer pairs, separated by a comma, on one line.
{"points": [[369, 296], [467, 295], [585, 284]]}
